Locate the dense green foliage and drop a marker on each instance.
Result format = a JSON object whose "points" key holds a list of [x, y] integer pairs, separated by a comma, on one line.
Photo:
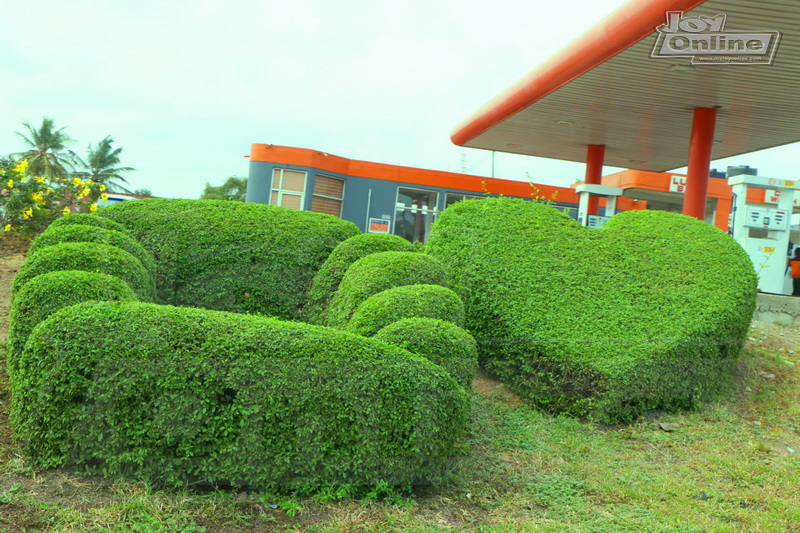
{"points": [[391, 305], [440, 341], [49, 292], [87, 219], [648, 313], [376, 273], [177, 395], [83, 233], [232, 256], [234, 189], [88, 257], [327, 279]]}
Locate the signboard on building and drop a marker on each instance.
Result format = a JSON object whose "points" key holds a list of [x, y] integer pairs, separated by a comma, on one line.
{"points": [[378, 225], [677, 184], [773, 196]]}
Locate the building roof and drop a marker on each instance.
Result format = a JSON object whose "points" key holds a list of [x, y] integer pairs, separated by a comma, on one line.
{"points": [[605, 88]]}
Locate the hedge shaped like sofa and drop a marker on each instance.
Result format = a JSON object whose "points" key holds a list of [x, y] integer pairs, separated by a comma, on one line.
{"points": [[650, 312], [397, 424], [177, 395]]}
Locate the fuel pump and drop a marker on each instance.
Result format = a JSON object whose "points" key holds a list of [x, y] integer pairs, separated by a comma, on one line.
{"points": [[763, 231], [610, 193]]}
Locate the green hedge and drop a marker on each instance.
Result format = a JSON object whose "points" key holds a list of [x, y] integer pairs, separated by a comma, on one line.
{"points": [[378, 272], [327, 279], [86, 219], [47, 293], [232, 256], [440, 341], [87, 233], [650, 312], [88, 257], [391, 305], [177, 395]]}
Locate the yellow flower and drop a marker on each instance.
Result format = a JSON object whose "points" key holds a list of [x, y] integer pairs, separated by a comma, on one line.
{"points": [[37, 197], [77, 182], [40, 179], [86, 191], [65, 211], [21, 167], [7, 228], [93, 208], [28, 213], [102, 187], [104, 197], [10, 184]]}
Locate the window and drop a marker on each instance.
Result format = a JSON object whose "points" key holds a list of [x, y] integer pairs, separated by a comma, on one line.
{"points": [[452, 198], [415, 211], [328, 195], [288, 188]]}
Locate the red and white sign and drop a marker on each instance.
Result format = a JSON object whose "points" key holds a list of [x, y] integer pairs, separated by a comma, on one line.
{"points": [[773, 196], [677, 184]]}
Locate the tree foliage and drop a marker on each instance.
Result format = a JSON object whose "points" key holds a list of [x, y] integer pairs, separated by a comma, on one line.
{"points": [[101, 166], [47, 153], [234, 188]]}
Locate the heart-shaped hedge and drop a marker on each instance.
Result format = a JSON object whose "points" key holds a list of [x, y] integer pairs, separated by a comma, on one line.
{"points": [[650, 312]]}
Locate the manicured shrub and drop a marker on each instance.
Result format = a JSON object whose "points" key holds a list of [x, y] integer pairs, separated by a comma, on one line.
{"points": [[440, 341], [430, 301], [86, 233], [86, 219], [232, 256], [177, 395], [46, 293], [378, 272], [327, 279], [88, 257], [649, 312]]}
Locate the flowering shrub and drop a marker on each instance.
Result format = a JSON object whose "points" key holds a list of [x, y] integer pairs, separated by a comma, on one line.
{"points": [[30, 203]]}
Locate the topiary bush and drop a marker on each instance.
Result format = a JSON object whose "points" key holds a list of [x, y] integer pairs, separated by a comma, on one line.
{"points": [[327, 279], [179, 395], [650, 312], [232, 256], [86, 219], [442, 342], [391, 305], [49, 292], [88, 257], [88, 233], [378, 272]]}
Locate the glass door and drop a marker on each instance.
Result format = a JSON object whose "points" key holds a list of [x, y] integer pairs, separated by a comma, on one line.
{"points": [[415, 212]]}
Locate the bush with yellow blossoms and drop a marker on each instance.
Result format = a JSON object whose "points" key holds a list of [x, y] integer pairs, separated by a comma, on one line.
{"points": [[30, 203]]}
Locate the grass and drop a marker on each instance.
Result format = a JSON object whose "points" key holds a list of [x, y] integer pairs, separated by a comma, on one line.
{"points": [[733, 465]]}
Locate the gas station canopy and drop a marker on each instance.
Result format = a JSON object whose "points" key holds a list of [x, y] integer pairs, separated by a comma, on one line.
{"points": [[606, 88]]}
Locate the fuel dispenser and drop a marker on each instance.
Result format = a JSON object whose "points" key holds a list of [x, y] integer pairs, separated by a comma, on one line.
{"points": [[763, 231], [610, 193]]}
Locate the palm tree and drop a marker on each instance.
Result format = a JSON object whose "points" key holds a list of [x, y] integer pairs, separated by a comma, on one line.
{"points": [[101, 166], [48, 154]]}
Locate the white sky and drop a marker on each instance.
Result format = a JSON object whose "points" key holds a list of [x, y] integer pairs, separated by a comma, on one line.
{"points": [[185, 87]]}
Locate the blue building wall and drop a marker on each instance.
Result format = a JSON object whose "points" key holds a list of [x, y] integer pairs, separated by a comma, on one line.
{"points": [[364, 198]]}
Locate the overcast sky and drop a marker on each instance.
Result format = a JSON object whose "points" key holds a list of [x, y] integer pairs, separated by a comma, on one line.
{"points": [[185, 87]]}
